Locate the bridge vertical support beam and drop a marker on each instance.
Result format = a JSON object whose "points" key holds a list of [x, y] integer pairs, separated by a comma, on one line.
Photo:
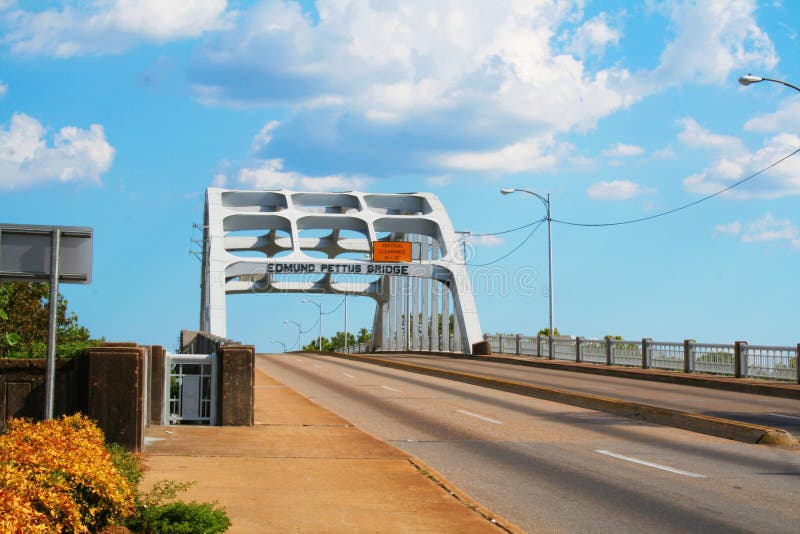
{"points": [[424, 295], [415, 306], [646, 347], [436, 289], [457, 341], [445, 318], [390, 306]]}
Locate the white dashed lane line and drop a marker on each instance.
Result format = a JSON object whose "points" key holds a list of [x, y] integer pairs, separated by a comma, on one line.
{"points": [[348, 375], [651, 464], [482, 417], [391, 389]]}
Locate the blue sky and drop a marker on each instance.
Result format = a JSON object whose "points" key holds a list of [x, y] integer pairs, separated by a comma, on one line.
{"points": [[118, 114]]}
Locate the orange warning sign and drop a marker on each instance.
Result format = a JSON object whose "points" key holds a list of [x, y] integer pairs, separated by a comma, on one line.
{"points": [[391, 251]]}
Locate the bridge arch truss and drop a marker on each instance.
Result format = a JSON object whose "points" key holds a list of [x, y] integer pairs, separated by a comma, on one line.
{"points": [[320, 243]]}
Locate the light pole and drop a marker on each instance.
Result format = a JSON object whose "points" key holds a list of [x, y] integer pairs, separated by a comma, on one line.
{"points": [[318, 305], [281, 343], [345, 322], [299, 331], [546, 202], [747, 80]]}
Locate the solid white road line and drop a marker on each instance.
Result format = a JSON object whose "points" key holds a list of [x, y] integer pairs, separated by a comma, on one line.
{"points": [[651, 464], [786, 416], [348, 376], [391, 389], [489, 419]]}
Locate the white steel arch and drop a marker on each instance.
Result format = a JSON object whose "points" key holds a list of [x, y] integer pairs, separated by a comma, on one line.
{"points": [[303, 242]]}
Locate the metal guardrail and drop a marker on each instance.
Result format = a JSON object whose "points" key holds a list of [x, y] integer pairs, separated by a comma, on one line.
{"points": [[738, 359]]}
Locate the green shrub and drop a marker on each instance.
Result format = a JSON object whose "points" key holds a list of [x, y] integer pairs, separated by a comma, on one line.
{"points": [[154, 514], [128, 465], [185, 518]]}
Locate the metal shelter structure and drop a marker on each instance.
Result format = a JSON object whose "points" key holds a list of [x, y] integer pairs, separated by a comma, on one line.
{"points": [[321, 243]]}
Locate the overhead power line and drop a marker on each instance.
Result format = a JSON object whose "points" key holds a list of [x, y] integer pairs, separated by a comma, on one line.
{"points": [[690, 204], [657, 215]]}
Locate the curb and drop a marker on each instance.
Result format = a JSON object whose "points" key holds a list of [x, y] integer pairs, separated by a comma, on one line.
{"points": [[726, 383], [713, 426], [440, 480]]}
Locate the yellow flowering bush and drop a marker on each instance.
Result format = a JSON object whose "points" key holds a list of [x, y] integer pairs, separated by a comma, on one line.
{"points": [[57, 476]]}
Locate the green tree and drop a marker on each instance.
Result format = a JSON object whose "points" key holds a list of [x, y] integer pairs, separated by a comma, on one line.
{"points": [[364, 336], [24, 317], [546, 332], [337, 343]]}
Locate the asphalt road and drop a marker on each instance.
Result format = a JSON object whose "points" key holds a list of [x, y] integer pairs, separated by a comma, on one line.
{"points": [[550, 467], [760, 409]]}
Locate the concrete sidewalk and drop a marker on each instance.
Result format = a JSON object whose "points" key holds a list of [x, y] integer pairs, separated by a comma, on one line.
{"points": [[304, 469]]}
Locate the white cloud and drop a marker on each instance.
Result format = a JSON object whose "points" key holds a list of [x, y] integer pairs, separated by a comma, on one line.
{"points": [[76, 155], [785, 119], [111, 26], [270, 174], [781, 180], [696, 136], [480, 63], [665, 153], [712, 38], [264, 136], [623, 150], [593, 36], [617, 190], [733, 228], [485, 240], [220, 180], [440, 180], [531, 154], [767, 229]]}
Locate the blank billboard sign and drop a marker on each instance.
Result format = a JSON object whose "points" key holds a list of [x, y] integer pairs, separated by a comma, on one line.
{"points": [[25, 253]]}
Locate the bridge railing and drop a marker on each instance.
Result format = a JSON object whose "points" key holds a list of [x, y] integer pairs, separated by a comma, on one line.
{"points": [[738, 359]]}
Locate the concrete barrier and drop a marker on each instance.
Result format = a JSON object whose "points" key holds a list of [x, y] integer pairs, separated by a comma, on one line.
{"points": [[714, 426]]}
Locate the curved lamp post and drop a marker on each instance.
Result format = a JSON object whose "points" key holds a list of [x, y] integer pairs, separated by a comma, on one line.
{"points": [[546, 202], [281, 343], [318, 305], [299, 331], [747, 80]]}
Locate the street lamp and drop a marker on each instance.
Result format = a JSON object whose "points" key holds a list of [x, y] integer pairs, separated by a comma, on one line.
{"points": [[318, 305], [747, 80], [546, 202], [299, 331], [281, 343]]}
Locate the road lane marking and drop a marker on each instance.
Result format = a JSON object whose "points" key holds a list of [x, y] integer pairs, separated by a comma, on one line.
{"points": [[651, 464], [317, 365], [391, 389], [489, 419], [786, 416], [348, 375]]}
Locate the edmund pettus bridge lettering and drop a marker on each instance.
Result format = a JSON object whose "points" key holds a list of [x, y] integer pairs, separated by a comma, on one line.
{"points": [[336, 268]]}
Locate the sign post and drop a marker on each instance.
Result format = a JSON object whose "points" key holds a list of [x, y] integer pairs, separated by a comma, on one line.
{"points": [[53, 254]]}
